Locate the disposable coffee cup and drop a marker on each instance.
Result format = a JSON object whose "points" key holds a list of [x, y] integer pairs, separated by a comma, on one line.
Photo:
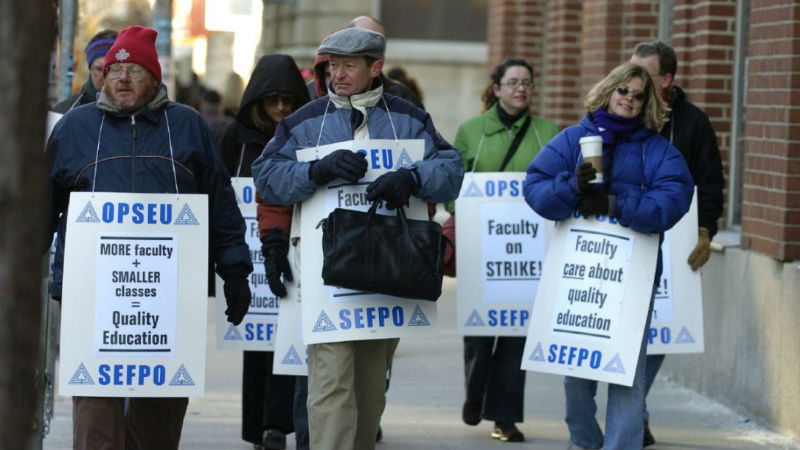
{"points": [[592, 151]]}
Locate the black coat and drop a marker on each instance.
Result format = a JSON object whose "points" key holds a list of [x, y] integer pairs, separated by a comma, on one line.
{"points": [[690, 131], [273, 74]]}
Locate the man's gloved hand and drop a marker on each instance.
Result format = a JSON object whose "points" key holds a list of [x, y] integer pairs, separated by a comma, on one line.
{"points": [[702, 250], [593, 203], [584, 175], [275, 248], [237, 297], [394, 187], [341, 163]]}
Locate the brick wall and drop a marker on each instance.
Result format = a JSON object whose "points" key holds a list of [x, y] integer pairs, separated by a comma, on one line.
{"points": [[611, 29], [771, 192], [582, 41], [562, 93], [704, 41]]}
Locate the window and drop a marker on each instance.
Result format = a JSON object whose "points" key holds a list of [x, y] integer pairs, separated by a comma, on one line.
{"points": [[442, 20]]}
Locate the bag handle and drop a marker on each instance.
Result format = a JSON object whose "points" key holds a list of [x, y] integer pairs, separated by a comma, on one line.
{"points": [[401, 214], [515, 144]]}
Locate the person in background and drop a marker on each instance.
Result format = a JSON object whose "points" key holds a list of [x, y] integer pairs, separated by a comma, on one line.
{"points": [[688, 129], [506, 137], [95, 51], [232, 94], [346, 380], [274, 91], [211, 110], [400, 75], [138, 141], [646, 187]]}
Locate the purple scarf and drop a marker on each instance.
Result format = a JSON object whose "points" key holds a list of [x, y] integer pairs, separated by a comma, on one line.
{"points": [[612, 127]]}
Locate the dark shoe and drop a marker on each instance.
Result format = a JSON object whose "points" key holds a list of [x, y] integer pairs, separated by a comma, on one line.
{"points": [[471, 413], [274, 440], [648, 436], [507, 432], [379, 435]]}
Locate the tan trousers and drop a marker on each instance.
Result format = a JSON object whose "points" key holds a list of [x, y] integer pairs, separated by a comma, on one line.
{"points": [[346, 392], [101, 423]]}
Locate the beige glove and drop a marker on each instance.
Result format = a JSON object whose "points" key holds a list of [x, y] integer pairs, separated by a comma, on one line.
{"points": [[702, 251]]}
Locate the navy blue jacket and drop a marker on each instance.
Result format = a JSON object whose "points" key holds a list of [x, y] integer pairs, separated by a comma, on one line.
{"points": [[134, 156]]}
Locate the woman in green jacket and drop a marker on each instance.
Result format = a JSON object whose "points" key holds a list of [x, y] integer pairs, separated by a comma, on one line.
{"points": [[495, 384]]}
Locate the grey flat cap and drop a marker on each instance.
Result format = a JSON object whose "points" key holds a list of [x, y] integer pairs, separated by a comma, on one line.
{"points": [[354, 42]]}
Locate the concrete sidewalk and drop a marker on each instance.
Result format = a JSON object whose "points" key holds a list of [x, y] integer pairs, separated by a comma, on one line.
{"points": [[424, 406]]}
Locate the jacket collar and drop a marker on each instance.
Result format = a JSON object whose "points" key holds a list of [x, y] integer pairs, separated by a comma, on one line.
{"points": [[151, 112], [357, 101], [492, 123]]}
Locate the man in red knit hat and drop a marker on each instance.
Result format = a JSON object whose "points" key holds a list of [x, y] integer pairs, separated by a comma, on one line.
{"points": [[135, 140]]}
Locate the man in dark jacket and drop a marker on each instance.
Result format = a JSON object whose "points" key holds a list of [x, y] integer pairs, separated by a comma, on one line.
{"points": [[688, 129], [135, 140], [95, 51]]}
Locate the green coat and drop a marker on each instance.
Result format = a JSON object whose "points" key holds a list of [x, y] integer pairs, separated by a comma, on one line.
{"points": [[496, 140]]}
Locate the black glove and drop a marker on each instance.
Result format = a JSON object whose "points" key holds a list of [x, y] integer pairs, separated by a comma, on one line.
{"points": [[586, 173], [237, 296], [342, 164], [275, 248], [394, 187], [593, 203]]}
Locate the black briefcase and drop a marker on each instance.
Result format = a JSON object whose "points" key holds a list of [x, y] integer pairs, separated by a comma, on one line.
{"points": [[390, 255]]}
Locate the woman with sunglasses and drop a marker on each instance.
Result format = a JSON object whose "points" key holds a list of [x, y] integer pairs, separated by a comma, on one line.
{"points": [[505, 137], [275, 90], [646, 186]]}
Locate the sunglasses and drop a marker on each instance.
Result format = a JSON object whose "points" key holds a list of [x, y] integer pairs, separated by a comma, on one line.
{"points": [[637, 95]]}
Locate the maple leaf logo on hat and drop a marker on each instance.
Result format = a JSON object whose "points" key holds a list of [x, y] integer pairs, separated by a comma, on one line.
{"points": [[122, 55]]}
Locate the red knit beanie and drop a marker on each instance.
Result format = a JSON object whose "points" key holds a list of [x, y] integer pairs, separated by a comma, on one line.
{"points": [[135, 44]]}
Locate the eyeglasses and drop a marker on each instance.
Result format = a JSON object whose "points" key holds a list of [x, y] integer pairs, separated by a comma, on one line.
{"points": [[274, 98], [625, 90], [134, 73], [514, 83]]}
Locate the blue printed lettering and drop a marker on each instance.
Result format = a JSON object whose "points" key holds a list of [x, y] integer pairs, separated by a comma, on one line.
{"points": [[573, 356], [122, 210], [138, 217], [397, 316], [344, 319], [247, 194], [507, 317], [130, 374], [152, 213]]}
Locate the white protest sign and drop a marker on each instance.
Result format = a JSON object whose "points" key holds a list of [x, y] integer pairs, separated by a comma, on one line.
{"points": [[133, 318], [589, 317], [501, 245], [676, 325], [290, 352], [332, 314], [258, 328]]}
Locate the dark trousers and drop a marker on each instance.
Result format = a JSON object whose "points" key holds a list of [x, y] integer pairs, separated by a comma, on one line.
{"points": [[101, 423], [493, 376], [266, 398], [301, 413]]}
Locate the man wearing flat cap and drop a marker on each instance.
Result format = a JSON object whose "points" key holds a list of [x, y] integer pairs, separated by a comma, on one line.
{"points": [[133, 139], [346, 380]]}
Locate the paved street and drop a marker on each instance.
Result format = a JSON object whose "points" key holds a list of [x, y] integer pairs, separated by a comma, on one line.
{"points": [[424, 406]]}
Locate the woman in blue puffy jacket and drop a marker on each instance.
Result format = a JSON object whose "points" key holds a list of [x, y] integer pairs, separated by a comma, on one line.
{"points": [[646, 186]]}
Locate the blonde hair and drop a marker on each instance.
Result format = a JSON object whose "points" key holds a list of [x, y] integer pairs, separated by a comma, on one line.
{"points": [[654, 111]]}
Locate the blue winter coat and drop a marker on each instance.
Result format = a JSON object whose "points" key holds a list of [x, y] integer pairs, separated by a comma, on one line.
{"points": [[282, 180], [134, 156], [649, 178]]}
